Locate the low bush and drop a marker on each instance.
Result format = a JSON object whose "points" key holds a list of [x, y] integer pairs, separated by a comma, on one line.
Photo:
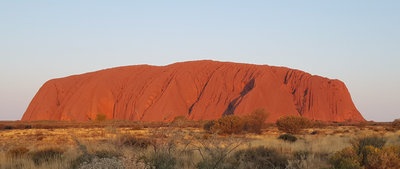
{"points": [[389, 157], [255, 121], [364, 146], [301, 155], [368, 153], [46, 155], [159, 160], [258, 158], [293, 124], [288, 138], [230, 124], [208, 125], [107, 154], [82, 159], [374, 141], [346, 159], [132, 141], [319, 124]]}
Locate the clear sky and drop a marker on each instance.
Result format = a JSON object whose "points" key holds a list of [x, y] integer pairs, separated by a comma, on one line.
{"points": [[355, 41]]}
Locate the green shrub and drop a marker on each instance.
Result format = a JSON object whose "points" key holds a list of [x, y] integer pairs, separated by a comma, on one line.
{"points": [[293, 124], [46, 155], [288, 138], [257, 158]]}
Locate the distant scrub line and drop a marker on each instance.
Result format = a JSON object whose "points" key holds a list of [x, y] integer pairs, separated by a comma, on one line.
{"points": [[229, 124]]}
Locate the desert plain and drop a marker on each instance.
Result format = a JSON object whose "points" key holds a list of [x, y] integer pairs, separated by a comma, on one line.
{"points": [[186, 144]]}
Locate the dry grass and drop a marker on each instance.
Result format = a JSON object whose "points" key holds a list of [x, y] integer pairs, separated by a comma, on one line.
{"points": [[189, 146]]}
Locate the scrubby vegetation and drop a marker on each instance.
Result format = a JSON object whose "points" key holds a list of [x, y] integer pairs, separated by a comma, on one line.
{"points": [[258, 158], [132, 141], [231, 124], [169, 145], [45, 156], [369, 153], [293, 124], [288, 137]]}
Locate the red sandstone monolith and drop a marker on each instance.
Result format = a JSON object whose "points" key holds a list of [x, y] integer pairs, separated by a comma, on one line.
{"points": [[198, 90]]}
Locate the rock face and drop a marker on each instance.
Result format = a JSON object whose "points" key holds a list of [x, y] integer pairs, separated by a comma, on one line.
{"points": [[198, 90]]}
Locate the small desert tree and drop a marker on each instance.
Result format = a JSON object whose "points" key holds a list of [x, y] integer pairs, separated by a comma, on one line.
{"points": [[293, 124], [255, 121], [229, 124]]}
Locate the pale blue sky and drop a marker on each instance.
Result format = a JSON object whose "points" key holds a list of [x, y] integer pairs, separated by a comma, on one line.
{"points": [[356, 41]]}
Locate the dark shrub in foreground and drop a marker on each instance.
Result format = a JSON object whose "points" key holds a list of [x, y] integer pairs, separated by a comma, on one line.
{"points": [[368, 153], [159, 160], [257, 158], [46, 155], [132, 141], [346, 159], [288, 138], [107, 154], [363, 146]]}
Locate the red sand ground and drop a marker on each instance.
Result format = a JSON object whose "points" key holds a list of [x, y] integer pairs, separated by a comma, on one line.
{"points": [[199, 90]]}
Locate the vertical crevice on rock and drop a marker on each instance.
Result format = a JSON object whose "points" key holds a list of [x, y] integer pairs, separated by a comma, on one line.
{"points": [[202, 91], [235, 102]]}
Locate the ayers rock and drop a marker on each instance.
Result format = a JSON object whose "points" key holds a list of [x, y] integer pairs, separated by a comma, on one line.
{"points": [[199, 90]]}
